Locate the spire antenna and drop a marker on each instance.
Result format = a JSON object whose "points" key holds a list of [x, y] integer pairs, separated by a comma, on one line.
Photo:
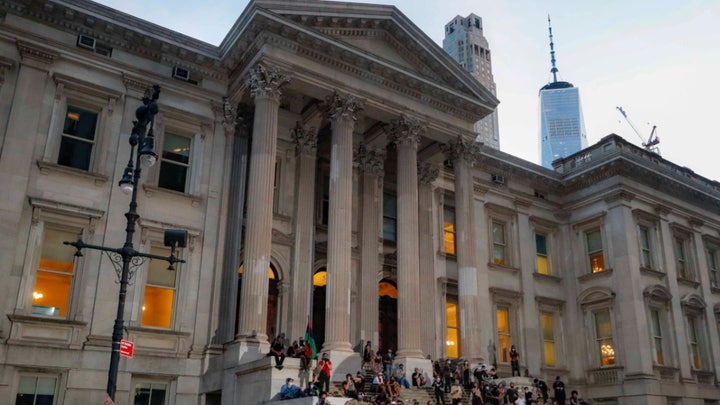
{"points": [[554, 69]]}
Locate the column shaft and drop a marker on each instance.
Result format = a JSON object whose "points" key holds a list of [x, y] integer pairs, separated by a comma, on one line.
{"points": [[369, 309]]}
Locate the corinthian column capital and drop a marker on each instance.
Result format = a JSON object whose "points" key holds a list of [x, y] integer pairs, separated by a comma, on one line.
{"points": [[405, 130], [305, 139], [344, 108], [427, 173], [371, 161], [266, 82], [462, 150]]}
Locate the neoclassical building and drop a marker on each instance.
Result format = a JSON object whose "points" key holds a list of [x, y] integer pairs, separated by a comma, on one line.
{"points": [[322, 160]]}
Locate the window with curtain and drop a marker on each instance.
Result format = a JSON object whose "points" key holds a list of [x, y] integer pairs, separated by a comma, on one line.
{"points": [[604, 338], [504, 334], [657, 337], [548, 333], [159, 299], [694, 342], [55, 274], [453, 326], [594, 246], [645, 247], [499, 243], [541, 254]]}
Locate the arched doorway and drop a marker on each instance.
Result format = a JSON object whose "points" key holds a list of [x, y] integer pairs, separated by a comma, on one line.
{"points": [[272, 301], [318, 306], [387, 325]]}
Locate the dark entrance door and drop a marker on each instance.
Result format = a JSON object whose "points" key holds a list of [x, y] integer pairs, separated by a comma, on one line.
{"points": [[387, 327], [318, 307]]}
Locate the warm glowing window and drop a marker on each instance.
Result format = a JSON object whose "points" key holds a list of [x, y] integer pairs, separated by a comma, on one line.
{"points": [[548, 332], [386, 289], [694, 341], [449, 232], [174, 162], [453, 325], [78, 138], [657, 336], [645, 252], [541, 254], [504, 337], [157, 310], [603, 338], [593, 240], [499, 243], [51, 295], [36, 390], [320, 278], [150, 394], [389, 217]]}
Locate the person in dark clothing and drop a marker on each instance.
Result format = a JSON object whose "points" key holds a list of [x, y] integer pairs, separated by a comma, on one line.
{"points": [[514, 361], [448, 376], [559, 388], [438, 390], [542, 386], [277, 350]]}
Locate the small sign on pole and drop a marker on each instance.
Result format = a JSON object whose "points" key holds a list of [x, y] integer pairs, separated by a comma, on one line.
{"points": [[127, 348]]}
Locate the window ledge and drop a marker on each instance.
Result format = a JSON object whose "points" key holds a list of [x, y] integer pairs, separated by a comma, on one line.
{"points": [[688, 282], [503, 267], [446, 255], [703, 377], [714, 289], [45, 320], [193, 199], [156, 331], [550, 277], [47, 168], [599, 274], [652, 272]]}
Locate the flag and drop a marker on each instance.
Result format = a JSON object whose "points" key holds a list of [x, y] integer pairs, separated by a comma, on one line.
{"points": [[310, 339]]}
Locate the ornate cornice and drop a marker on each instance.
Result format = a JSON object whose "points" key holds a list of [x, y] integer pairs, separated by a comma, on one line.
{"points": [[339, 107], [305, 139], [267, 82], [36, 53], [462, 149], [405, 130], [427, 173], [371, 161]]}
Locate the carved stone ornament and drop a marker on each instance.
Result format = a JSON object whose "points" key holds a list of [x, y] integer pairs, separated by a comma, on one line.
{"points": [[345, 108], [266, 82], [371, 161], [228, 116], [305, 139], [427, 173], [405, 130], [461, 149]]}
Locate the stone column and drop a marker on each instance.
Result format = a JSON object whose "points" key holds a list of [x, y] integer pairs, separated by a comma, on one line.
{"points": [[265, 87], [371, 162], [464, 154], [427, 174], [341, 111], [405, 134], [304, 228]]}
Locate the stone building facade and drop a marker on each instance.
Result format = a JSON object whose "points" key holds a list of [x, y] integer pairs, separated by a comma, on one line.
{"points": [[322, 159]]}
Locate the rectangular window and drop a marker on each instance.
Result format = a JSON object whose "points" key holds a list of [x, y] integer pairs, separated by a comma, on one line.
{"points": [[78, 138], [499, 243], [657, 336], [645, 252], [449, 232], [541, 254], [504, 336], [712, 259], [453, 326], [36, 390], [53, 285], [694, 341], [150, 394], [389, 217], [159, 300], [548, 332], [593, 241], [174, 162], [603, 338]]}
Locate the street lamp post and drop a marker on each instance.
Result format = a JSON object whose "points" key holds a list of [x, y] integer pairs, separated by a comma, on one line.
{"points": [[126, 259]]}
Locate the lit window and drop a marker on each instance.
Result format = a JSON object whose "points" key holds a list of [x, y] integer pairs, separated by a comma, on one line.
{"points": [[712, 258], [499, 243], [51, 295], [174, 162], [159, 299], [694, 341], [150, 394], [34, 390], [541, 254], [548, 331], [657, 336], [449, 232], [78, 138], [320, 278], [504, 337], [453, 336], [389, 217], [594, 245], [645, 252], [603, 338]]}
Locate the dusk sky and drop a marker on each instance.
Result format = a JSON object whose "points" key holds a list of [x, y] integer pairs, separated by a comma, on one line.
{"points": [[658, 59]]}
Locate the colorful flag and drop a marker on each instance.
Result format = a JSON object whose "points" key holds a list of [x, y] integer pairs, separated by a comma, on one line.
{"points": [[310, 340]]}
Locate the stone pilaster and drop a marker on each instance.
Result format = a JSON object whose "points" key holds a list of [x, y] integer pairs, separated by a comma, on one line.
{"points": [[265, 87], [405, 134], [341, 111], [304, 229], [427, 174], [371, 162], [464, 154]]}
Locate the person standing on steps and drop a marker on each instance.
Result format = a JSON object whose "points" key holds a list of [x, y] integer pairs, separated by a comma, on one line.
{"points": [[438, 390], [325, 369], [559, 388], [514, 361]]}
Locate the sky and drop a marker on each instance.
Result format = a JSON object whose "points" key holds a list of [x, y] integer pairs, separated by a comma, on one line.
{"points": [[658, 59]]}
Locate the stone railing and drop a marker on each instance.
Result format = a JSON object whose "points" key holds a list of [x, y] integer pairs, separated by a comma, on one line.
{"points": [[664, 373], [704, 377], [606, 375]]}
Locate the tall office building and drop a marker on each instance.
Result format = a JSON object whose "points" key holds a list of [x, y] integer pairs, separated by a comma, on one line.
{"points": [[562, 128], [465, 42]]}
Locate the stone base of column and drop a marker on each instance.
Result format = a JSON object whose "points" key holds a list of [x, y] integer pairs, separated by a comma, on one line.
{"points": [[411, 363], [343, 362], [245, 350]]}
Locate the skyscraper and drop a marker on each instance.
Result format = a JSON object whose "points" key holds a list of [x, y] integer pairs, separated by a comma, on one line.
{"points": [[465, 42], [562, 128]]}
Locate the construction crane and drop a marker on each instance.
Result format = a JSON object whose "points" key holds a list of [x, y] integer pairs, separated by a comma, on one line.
{"points": [[652, 141]]}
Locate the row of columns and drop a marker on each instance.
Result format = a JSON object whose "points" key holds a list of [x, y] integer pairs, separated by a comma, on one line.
{"points": [[404, 133]]}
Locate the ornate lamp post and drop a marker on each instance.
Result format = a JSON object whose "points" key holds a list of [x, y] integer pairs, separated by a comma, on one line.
{"points": [[126, 259]]}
